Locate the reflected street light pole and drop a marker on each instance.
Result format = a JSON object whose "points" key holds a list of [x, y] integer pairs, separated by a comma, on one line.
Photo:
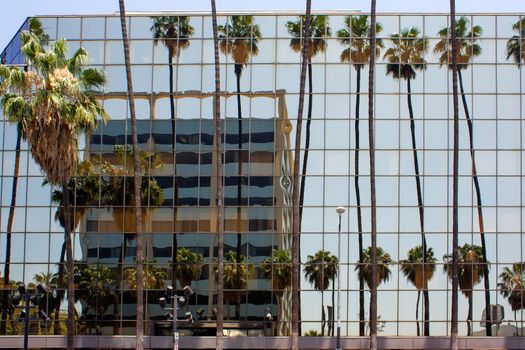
{"points": [[340, 211]]}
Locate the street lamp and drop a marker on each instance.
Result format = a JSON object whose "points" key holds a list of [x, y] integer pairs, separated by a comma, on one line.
{"points": [[340, 211], [176, 301]]}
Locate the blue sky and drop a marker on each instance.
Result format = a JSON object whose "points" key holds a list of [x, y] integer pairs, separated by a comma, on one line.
{"points": [[14, 12]]}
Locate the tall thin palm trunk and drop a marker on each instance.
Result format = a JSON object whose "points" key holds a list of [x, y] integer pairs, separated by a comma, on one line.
{"points": [[358, 204], [60, 289], [139, 344], [218, 154], [373, 226], [469, 315], [70, 268], [295, 194], [9, 234], [307, 141], [455, 182], [417, 312], [238, 72], [479, 206], [426, 304]]}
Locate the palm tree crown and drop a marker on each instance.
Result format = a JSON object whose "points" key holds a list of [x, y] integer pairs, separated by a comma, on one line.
{"points": [[383, 271], [516, 44], [320, 269], [512, 285], [319, 29], [471, 269], [278, 268], [407, 54], [356, 35], [173, 31], [239, 38], [413, 268], [467, 44]]}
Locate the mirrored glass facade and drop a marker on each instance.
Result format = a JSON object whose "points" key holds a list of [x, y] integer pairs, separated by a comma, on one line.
{"points": [[414, 120]]}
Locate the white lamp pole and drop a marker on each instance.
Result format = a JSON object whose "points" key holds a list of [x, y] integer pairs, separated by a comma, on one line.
{"points": [[340, 211]]}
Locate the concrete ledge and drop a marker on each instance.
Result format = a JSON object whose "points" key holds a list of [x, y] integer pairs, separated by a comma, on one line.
{"points": [[165, 342]]}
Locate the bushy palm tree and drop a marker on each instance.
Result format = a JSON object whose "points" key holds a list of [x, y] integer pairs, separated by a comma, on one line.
{"points": [[95, 288], [320, 270], [54, 105], [418, 269], [383, 274], [356, 35], [405, 57], [189, 266], [155, 277], [35, 27], [512, 287], [516, 44], [467, 47], [278, 269], [232, 269], [139, 344], [471, 269], [239, 38], [219, 171]]}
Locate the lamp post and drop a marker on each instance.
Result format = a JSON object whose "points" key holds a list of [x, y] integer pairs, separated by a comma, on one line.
{"points": [[176, 301], [340, 211]]}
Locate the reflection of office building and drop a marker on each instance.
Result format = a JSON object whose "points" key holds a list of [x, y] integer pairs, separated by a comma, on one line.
{"points": [[269, 84]]}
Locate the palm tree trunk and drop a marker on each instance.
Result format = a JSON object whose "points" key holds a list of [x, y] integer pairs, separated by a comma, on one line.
{"points": [[238, 72], [139, 344], [295, 194], [486, 279], [70, 269], [373, 226], [57, 329], [426, 324], [358, 204], [9, 234], [332, 319], [469, 315], [220, 238], [455, 249], [417, 312]]}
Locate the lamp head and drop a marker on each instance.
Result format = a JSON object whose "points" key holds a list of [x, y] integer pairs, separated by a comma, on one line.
{"points": [[170, 291], [188, 291], [182, 301], [200, 313], [340, 210], [189, 317], [268, 314], [162, 302]]}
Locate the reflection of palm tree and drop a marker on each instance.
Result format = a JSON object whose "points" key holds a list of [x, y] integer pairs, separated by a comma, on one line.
{"points": [[35, 26], [471, 269], [278, 269], [383, 270], [232, 269], [155, 277], [239, 38], [95, 287], [419, 268], [321, 269], [219, 172], [54, 106], [319, 30], [512, 287], [356, 34], [189, 266], [404, 59], [516, 44], [468, 48], [174, 33], [137, 182]]}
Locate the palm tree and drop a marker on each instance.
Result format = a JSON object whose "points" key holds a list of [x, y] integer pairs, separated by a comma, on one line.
{"points": [[139, 345], [174, 33], [371, 143], [471, 269], [232, 269], [383, 270], [278, 269], [516, 44], [319, 30], [419, 268], [35, 27], [356, 35], [467, 48], [239, 38], [189, 266], [54, 106], [296, 217], [219, 171], [320, 269], [404, 59], [155, 277], [512, 287]]}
